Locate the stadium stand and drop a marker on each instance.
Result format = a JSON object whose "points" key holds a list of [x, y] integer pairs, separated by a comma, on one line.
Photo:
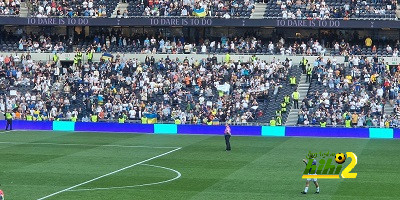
{"points": [[193, 90], [357, 90], [331, 9], [352, 94], [114, 41], [10, 7], [105, 8], [87, 8], [361, 91], [290, 9], [220, 8]]}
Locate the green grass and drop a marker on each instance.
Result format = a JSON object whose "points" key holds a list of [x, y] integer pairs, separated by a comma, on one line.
{"points": [[256, 168]]}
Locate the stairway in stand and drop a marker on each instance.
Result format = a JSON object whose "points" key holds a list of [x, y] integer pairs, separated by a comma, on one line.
{"points": [[302, 89], [23, 12], [121, 7], [259, 10]]}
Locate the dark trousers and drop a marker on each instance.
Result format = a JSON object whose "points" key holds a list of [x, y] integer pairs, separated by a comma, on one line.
{"points": [[308, 79], [9, 123], [296, 104], [228, 144]]}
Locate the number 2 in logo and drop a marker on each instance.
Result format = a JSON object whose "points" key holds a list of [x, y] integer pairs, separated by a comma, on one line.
{"points": [[346, 172]]}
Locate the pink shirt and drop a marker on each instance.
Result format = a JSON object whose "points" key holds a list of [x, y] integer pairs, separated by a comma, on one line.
{"points": [[227, 130]]}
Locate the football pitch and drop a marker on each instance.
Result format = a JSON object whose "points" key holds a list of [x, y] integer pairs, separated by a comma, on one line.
{"points": [[72, 165]]}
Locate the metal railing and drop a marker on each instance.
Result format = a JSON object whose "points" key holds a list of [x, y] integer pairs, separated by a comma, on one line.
{"points": [[328, 53]]}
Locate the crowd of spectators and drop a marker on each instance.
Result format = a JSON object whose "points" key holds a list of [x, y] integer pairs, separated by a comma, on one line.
{"points": [[87, 8], [195, 91], [41, 44], [288, 9], [355, 91], [35, 42], [104, 8], [322, 9], [219, 8], [10, 7], [115, 41]]}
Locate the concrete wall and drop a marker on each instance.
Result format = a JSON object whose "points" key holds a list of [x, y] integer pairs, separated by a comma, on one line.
{"points": [[235, 57], [141, 57]]}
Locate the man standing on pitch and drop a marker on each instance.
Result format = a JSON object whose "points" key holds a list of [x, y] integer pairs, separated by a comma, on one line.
{"points": [[227, 134], [314, 162], [9, 117]]}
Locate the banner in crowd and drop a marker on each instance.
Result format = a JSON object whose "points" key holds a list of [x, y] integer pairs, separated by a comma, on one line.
{"points": [[107, 56], [151, 118], [201, 12], [198, 22], [225, 87]]}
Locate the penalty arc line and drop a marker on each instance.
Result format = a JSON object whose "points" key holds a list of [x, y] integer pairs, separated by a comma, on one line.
{"points": [[133, 186], [111, 173]]}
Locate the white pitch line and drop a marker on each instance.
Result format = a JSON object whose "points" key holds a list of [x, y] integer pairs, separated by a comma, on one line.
{"points": [[132, 186], [88, 145], [111, 173]]}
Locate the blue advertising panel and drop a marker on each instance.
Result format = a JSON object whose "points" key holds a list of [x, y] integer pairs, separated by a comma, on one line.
{"points": [[219, 130], [201, 129], [396, 133], [327, 132], [114, 127], [32, 125]]}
